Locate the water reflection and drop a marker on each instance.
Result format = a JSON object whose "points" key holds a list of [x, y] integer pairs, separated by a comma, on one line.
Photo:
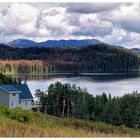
{"points": [[91, 76], [116, 84]]}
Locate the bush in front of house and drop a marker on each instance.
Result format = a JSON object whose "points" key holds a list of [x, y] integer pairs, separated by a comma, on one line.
{"points": [[4, 111], [21, 115]]}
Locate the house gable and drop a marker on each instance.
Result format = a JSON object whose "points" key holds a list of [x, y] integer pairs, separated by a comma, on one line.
{"points": [[25, 92]]}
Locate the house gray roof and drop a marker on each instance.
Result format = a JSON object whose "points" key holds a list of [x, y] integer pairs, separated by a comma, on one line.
{"points": [[22, 89]]}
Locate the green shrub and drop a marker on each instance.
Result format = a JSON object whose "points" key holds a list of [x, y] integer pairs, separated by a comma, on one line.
{"points": [[4, 111], [21, 115]]}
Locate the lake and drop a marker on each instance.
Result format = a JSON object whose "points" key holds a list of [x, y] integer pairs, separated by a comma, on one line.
{"points": [[116, 84]]}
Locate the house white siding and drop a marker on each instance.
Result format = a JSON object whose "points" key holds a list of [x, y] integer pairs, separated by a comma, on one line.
{"points": [[26, 104], [13, 100]]}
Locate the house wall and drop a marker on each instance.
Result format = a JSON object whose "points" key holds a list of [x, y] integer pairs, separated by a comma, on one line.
{"points": [[13, 100], [4, 98], [26, 104]]}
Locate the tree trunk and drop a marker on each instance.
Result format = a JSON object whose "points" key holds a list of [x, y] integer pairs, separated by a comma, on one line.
{"points": [[63, 111], [68, 109]]}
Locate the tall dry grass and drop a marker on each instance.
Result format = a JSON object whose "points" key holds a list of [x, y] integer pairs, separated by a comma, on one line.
{"points": [[51, 126], [12, 128]]}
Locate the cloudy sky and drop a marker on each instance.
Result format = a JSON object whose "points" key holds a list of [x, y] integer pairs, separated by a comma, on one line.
{"points": [[113, 23]]}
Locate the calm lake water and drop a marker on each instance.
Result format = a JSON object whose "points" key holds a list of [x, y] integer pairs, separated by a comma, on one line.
{"points": [[96, 83]]}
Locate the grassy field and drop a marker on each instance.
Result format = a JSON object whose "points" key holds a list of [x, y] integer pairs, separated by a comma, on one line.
{"points": [[49, 126]]}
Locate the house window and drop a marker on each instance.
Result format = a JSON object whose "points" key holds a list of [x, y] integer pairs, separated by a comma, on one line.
{"points": [[14, 94], [26, 102], [12, 103], [19, 102]]}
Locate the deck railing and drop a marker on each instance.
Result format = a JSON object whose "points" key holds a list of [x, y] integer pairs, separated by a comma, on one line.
{"points": [[36, 105]]}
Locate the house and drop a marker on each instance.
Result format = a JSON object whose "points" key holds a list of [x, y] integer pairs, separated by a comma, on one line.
{"points": [[36, 106], [16, 96]]}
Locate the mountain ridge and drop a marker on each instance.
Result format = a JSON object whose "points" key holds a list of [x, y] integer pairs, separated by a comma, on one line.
{"points": [[26, 43], [22, 43]]}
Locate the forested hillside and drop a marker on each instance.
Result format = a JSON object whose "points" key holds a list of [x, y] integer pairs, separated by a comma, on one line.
{"points": [[91, 58]]}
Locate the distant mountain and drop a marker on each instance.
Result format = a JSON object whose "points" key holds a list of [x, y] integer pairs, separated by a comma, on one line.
{"points": [[25, 43], [136, 50], [22, 43], [70, 43]]}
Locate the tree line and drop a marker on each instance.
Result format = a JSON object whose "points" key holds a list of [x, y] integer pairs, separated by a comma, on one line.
{"points": [[65, 100], [24, 66], [91, 58]]}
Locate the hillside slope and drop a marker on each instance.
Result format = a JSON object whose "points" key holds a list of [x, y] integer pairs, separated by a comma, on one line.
{"points": [[91, 58], [58, 127]]}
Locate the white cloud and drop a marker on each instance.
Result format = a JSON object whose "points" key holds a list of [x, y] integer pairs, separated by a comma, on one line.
{"points": [[127, 17], [29, 21], [113, 23], [92, 25], [123, 38], [56, 21], [19, 19], [115, 37]]}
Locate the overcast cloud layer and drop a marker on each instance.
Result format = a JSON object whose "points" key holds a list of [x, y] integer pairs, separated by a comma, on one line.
{"points": [[113, 23]]}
